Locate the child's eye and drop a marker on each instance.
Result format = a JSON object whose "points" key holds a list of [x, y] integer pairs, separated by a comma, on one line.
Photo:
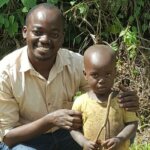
{"points": [[108, 75], [55, 35]]}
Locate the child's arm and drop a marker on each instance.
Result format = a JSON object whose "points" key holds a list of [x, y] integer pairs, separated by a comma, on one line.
{"points": [[82, 141], [125, 134]]}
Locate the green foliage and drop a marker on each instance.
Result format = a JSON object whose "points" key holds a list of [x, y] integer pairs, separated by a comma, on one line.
{"points": [[28, 4], [130, 40], [145, 146], [88, 21], [3, 2], [52, 1]]}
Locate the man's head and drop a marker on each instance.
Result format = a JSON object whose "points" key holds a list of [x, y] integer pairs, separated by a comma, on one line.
{"points": [[100, 70], [43, 32]]}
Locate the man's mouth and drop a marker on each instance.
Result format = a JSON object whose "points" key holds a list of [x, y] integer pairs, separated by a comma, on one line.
{"points": [[43, 49]]}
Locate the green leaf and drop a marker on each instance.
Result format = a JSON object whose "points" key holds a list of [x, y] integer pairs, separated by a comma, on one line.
{"points": [[131, 19], [144, 27], [3, 2], [122, 33], [2, 19], [11, 19], [25, 10], [13, 29], [114, 46], [72, 3], [83, 8], [6, 22], [115, 28], [52, 1], [28, 3]]}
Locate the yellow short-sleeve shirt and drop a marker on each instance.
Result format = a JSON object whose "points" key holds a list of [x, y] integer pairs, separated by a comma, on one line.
{"points": [[94, 112]]}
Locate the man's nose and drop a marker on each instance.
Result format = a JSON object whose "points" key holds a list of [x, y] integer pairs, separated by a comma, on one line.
{"points": [[45, 39]]}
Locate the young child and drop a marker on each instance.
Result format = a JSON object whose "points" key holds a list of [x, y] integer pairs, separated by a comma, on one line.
{"points": [[100, 71]]}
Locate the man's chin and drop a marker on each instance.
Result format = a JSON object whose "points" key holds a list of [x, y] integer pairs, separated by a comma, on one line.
{"points": [[41, 58]]}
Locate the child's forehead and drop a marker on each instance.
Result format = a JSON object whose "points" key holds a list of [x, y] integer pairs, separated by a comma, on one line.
{"points": [[100, 57]]}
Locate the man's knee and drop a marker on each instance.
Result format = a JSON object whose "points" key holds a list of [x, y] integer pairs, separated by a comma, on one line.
{"points": [[3, 146], [22, 147]]}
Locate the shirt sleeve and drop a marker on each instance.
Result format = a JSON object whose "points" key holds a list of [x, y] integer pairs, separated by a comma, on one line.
{"points": [[84, 87], [9, 109], [129, 116], [77, 104]]}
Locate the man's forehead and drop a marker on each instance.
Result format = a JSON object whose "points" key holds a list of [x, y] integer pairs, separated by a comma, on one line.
{"points": [[43, 14]]}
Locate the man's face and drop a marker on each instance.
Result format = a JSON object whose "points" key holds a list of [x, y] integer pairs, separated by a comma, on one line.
{"points": [[44, 34]]}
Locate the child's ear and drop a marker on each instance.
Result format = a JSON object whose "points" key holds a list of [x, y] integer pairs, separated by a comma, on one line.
{"points": [[24, 32]]}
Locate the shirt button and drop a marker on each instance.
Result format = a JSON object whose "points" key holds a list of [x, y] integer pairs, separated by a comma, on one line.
{"points": [[49, 104]]}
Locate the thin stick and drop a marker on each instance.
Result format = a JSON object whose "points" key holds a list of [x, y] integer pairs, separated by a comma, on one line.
{"points": [[106, 117]]}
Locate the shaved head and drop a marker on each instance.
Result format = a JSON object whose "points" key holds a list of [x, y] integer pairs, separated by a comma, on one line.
{"points": [[38, 8], [99, 54]]}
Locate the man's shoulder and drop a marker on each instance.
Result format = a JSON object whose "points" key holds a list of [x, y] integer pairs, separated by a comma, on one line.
{"points": [[70, 54], [12, 58]]}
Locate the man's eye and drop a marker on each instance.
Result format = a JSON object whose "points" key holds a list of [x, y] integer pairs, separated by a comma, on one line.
{"points": [[37, 33], [94, 75]]}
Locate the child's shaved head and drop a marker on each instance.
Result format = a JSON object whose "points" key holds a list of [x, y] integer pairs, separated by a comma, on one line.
{"points": [[102, 54]]}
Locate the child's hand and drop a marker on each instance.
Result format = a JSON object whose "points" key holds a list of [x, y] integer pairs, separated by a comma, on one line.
{"points": [[111, 144], [90, 145]]}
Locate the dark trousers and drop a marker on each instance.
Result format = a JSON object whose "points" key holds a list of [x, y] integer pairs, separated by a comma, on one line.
{"points": [[58, 140]]}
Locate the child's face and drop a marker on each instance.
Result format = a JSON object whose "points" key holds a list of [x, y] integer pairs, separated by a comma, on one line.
{"points": [[100, 75]]}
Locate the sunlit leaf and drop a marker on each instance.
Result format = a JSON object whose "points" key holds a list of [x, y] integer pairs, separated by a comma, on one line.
{"points": [[3, 2], [52, 1], [28, 3]]}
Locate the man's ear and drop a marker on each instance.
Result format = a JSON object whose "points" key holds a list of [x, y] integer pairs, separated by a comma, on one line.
{"points": [[24, 32], [84, 74]]}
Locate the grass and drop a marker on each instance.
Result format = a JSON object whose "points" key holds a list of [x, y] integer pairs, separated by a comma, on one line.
{"points": [[145, 146]]}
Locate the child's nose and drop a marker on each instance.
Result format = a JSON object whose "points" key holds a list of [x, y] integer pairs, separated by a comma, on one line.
{"points": [[101, 80]]}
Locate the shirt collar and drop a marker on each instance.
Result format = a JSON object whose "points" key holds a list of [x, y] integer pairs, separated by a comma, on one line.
{"points": [[62, 59], [24, 61]]}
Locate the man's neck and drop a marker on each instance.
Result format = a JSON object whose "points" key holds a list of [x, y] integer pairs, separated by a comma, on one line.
{"points": [[43, 67]]}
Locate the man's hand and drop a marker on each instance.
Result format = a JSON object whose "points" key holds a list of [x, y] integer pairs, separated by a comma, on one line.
{"points": [[67, 119], [111, 144], [128, 99]]}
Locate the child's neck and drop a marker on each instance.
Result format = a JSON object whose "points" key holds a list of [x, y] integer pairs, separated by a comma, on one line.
{"points": [[100, 97]]}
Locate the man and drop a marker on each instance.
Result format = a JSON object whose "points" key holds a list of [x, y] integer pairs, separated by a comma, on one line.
{"points": [[37, 84]]}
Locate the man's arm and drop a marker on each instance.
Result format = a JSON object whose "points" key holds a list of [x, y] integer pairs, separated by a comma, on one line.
{"points": [[67, 119]]}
